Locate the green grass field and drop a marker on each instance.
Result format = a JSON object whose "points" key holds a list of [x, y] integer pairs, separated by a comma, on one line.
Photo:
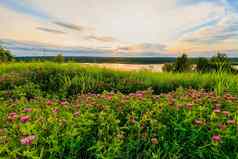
{"points": [[50, 110]]}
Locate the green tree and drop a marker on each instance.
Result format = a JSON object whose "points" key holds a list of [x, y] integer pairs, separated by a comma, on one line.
{"points": [[182, 64], [203, 65], [5, 55], [168, 67], [59, 58], [221, 62]]}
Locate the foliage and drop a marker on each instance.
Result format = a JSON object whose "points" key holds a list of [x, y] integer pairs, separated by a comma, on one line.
{"points": [[5, 55], [59, 58], [168, 67], [182, 64], [203, 65], [71, 79], [183, 124]]}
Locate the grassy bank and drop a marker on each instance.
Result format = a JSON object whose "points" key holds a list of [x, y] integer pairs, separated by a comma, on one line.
{"points": [[72, 78]]}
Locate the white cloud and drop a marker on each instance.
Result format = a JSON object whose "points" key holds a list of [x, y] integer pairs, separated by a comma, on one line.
{"points": [[131, 23]]}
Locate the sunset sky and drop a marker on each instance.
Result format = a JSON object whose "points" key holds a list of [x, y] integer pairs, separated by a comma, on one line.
{"points": [[121, 27]]}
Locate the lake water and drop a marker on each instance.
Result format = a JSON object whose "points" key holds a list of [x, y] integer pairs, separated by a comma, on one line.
{"points": [[130, 67]]}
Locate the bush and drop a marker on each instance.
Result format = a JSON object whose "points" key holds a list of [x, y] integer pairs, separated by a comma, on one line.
{"points": [[5, 55], [218, 63], [59, 58], [168, 67], [203, 65], [28, 90], [182, 64]]}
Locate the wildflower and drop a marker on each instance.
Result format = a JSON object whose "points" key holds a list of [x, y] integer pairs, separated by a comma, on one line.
{"points": [[231, 121], [49, 102], [12, 116], [28, 140], [27, 110], [62, 102], [55, 110], [226, 113], [217, 106], [190, 106], [216, 138], [76, 113], [198, 122], [132, 120], [222, 126], [24, 118], [154, 141], [217, 110]]}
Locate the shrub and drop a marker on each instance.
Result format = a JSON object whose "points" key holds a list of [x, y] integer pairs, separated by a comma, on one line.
{"points": [[203, 65], [59, 58], [168, 67], [182, 64], [5, 55]]}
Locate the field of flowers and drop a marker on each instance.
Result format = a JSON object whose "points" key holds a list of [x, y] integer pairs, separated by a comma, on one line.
{"points": [[69, 111], [179, 124]]}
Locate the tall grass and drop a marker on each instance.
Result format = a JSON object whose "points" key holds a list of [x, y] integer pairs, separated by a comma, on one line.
{"points": [[72, 78]]}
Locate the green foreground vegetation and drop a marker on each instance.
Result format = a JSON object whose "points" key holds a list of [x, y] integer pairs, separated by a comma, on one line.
{"points": [[67, 110]]}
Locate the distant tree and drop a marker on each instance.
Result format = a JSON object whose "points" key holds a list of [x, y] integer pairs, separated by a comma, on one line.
{"points": [[59, 58], [5, 55], [182, 64], [168, 67], [220, 62], [203, 65]]}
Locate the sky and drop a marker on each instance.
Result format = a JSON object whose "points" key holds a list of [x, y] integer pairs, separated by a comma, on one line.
{"points": [[120, 27]]}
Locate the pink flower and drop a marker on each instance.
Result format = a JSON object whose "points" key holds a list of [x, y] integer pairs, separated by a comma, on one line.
{"points": [[28, 140], [216, 110], [222, 126], [198, 122], [62, 102], [154, 141], [49, 102], [231, 121], [55, 110], [190, 106], [27, 110], [24, 119], [216, 138], [226, 113], [12, 116], [76, 113]]}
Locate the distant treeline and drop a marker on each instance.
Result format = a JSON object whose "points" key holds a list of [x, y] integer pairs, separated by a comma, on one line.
{"points": [[123, 60], [84, 59]]}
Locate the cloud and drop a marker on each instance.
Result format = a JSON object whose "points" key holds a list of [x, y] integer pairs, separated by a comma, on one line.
{"points": [[73, 26], [54, 31], [138, 48], [104, 39]]}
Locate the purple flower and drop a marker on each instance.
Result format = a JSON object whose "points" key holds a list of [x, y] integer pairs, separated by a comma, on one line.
{"points": [[216, 138], [76, 113], [55, 110], [198, 122], [226, 113], [231, 121], [24, 118], [28, 140], [217, 110], [62, 102], [27, 110], [12, 116], [49, 102]]}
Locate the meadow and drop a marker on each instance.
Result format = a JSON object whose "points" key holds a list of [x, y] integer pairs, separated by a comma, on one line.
{"points": [[68, 110]]}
